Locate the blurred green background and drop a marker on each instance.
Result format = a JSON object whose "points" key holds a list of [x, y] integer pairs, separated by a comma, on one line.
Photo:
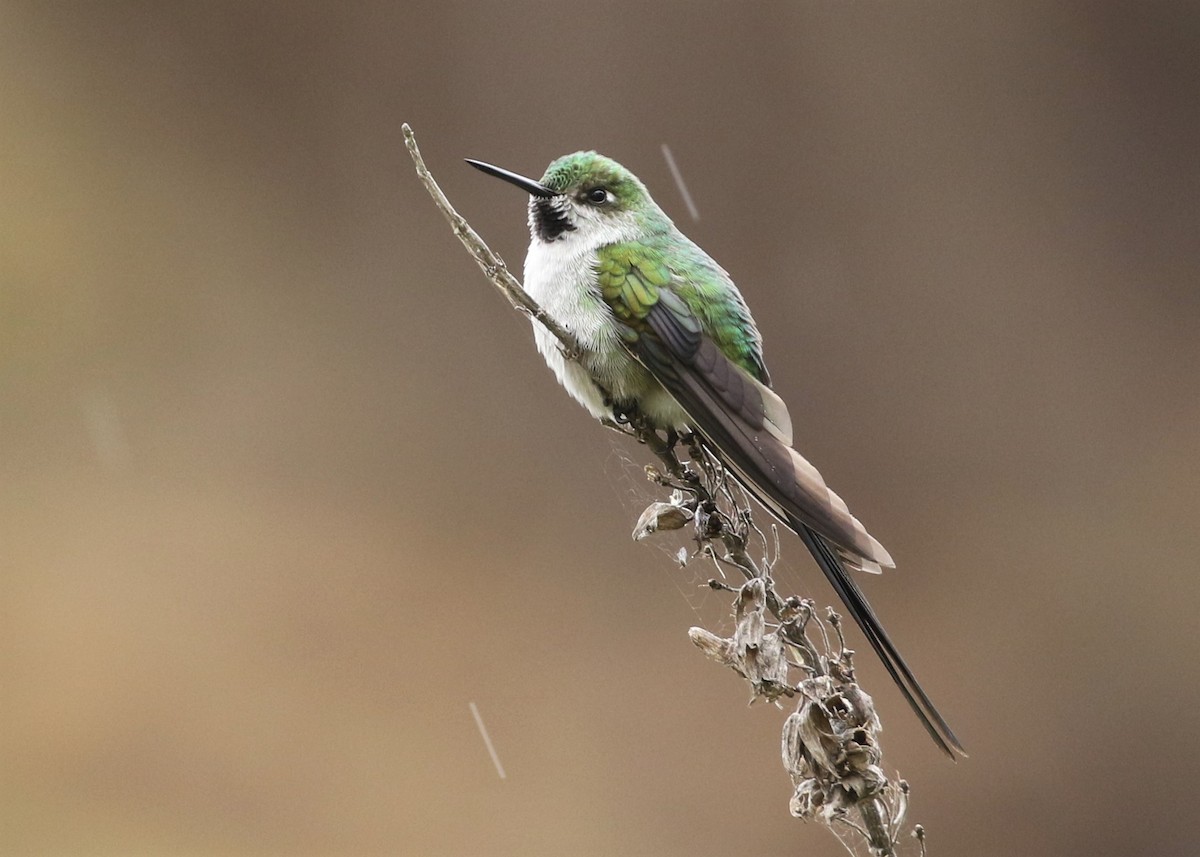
{"points": [[284, 486]]}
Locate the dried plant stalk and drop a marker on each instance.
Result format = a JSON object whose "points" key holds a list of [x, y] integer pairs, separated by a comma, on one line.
{"points": [[830, 743]]}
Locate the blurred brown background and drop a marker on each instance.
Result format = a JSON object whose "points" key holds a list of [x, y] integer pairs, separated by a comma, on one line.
{"points": [[285, 486]]}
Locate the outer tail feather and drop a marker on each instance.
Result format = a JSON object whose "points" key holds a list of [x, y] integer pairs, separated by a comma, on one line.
{"points": [[744, 459], [866, 620], [750, 456]]}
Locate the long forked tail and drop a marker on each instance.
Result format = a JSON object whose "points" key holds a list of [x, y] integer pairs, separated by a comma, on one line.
{"points": [[864, 616]]}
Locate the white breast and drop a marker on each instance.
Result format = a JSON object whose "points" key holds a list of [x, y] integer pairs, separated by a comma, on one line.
{"points": [[561, 276]]}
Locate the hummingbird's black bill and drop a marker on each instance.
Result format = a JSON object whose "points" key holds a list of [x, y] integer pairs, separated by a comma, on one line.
{"points": [[528, 185]]}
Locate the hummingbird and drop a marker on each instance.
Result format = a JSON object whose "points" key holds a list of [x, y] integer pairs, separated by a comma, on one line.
{"points": [[665, 335]]}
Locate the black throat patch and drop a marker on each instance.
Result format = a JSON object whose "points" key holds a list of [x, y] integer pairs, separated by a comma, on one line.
{"points": [[550, 218]]}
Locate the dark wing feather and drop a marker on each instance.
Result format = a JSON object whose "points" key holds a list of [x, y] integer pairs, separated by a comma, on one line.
{"points": [[724, 400], [739, 418]]}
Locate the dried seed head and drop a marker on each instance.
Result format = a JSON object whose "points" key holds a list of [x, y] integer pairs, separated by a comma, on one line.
{"points": [[717, 648], [663, 516], [831, 750]]}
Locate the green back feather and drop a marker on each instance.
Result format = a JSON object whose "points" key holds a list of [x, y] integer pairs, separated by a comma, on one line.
{"points": [[632, 275]]}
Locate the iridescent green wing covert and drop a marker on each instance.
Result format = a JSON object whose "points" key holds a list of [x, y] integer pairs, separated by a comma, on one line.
{"points": [[634, 276], [689, 331]]}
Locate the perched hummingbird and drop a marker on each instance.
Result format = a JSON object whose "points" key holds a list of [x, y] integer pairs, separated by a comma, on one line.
{"points": [[667, 336]]}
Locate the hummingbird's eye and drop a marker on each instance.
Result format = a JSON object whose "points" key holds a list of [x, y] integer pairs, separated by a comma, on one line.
{"points": [[598, 196]]}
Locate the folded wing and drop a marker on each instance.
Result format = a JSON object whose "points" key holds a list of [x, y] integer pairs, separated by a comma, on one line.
{"points": [[749, 428]]}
